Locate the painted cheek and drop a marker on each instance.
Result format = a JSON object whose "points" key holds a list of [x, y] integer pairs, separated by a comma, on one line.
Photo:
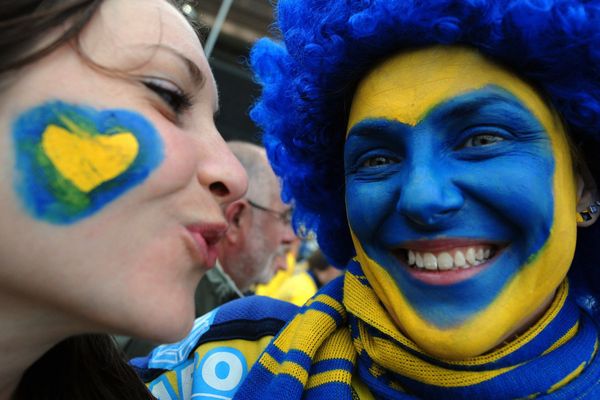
{"points": [[367, 206], [517, 190], [71, 160]]}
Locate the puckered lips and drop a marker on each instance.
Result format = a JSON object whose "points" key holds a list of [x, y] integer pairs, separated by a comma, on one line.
{"points": [[447, 261], [203, 243]]}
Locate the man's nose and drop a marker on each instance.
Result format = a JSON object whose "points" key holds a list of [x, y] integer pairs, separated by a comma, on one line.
{"points": [[288, 235]]}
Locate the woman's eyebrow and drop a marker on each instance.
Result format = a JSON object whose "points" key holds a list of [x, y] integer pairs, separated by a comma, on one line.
{"points": [[475, 102], [197, 76], [377, 126]]}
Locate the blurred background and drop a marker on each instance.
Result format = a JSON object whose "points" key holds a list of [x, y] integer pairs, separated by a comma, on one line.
{"points": [[232, 27]]}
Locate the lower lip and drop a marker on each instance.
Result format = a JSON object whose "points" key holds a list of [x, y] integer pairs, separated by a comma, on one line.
{"points": [[448, 277], [204, 254]]}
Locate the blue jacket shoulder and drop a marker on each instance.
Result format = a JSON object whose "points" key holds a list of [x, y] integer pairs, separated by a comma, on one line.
{"points": [[249, 318]]}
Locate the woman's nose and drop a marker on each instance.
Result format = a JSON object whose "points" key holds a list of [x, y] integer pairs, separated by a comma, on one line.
{"points": [[428, 197], [222, 173]]}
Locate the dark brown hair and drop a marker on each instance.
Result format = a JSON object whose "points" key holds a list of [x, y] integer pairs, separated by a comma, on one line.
{"points": [[86, 366], [24, 23], [89, 367]]}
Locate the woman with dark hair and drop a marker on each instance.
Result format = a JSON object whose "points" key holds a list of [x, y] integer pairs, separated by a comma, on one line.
{"points": [[113, 177], [445, 153]]}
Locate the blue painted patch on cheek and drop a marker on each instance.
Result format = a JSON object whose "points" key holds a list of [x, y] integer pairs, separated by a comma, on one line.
{"points": [[72, 160], [369, 205], [372, 192]]}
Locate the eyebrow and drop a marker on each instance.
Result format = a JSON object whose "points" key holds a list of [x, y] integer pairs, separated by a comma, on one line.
{"points": [[375, 127], [474, 102], [198, 77]]}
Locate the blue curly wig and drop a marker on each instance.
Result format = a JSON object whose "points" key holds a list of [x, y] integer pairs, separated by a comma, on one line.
{"points": [[308, 81]]}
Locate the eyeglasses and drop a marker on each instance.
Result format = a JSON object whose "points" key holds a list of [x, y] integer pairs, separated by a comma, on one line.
{"points": [[283, 216]]}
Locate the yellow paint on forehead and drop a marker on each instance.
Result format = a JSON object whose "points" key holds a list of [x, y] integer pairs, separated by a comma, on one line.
{"points": [[407, 86]]}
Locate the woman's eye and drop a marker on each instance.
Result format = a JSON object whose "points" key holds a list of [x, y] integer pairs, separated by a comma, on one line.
{"points": [[377, 161], [175, 98], [483, 140]]}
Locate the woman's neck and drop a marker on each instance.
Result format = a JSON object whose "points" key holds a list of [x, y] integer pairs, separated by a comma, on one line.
{"points": [[28, 331]]}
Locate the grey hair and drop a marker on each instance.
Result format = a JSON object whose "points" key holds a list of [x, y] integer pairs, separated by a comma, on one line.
{"points": [[262, 182]]}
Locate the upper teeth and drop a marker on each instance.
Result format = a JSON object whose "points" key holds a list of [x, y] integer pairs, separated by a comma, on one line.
{"points": [[458, 258]]}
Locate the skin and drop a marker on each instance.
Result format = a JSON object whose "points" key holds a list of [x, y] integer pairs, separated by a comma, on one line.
{"points": [[438, 163], [133, 266], [254, 247]]}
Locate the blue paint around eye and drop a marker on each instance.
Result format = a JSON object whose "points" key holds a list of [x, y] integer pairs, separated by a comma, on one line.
{"points": [[46, 193], [436, 188]]}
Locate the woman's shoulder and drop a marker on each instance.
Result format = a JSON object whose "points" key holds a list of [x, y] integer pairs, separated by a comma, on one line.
{"points": [[218, 352]]}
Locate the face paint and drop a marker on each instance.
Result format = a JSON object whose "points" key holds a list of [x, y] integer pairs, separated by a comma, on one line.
{"points": [[460, 197], [71, 160]]}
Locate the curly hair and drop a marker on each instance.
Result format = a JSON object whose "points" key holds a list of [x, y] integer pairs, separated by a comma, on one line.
{"points": [[308, 80]]}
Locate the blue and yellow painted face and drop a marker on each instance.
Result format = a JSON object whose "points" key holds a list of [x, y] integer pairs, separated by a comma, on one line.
{"points": [[460, 195], [72, 160]]}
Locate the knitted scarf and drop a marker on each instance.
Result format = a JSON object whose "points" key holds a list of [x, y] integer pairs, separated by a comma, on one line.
{"points": [[344, 334]]}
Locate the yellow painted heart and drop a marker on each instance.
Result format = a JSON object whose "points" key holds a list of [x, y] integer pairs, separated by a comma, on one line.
{"points": [[89, 160]]}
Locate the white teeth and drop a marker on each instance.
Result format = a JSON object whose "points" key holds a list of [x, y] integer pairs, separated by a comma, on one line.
{"points": [[430, 261], [419, 260], [411, 257], [445, 261], [470, 256], [459, 259], [463, 258], [479, 254]]}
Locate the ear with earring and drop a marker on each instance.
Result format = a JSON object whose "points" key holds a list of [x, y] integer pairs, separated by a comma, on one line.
{"points": [[588, 204], [589, 213]]}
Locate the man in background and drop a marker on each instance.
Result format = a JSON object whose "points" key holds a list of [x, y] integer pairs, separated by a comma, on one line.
{"points": [[258, 237]]}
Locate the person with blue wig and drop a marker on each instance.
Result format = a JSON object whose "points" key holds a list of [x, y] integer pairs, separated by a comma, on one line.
{"points": [[445, 154]]}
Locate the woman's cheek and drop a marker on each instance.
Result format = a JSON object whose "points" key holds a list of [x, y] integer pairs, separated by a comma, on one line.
{"points": [[368, 205], [72, 160], [181, 160]]}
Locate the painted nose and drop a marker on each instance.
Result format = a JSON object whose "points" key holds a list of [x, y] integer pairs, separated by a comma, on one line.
{"points": [[429, 198]]}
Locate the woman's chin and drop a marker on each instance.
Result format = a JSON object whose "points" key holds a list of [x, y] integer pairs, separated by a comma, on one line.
{"points": [[162, 326]]}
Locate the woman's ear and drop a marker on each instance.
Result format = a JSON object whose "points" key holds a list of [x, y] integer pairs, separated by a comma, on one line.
{"points": [[588, 202]]}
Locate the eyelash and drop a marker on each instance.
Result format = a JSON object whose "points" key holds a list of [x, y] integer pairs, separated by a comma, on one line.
{"points": [[492, 138], [371, 161], [175, 98], [494, 135]]}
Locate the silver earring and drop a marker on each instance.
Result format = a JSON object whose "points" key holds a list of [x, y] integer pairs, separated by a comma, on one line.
{"points": [[592, 209]]}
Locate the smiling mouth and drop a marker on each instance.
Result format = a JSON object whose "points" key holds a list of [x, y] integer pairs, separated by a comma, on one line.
{"points": [[451, 259]]}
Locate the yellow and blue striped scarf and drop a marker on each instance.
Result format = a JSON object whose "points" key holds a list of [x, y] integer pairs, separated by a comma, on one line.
{"points": [[344, 335]]}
